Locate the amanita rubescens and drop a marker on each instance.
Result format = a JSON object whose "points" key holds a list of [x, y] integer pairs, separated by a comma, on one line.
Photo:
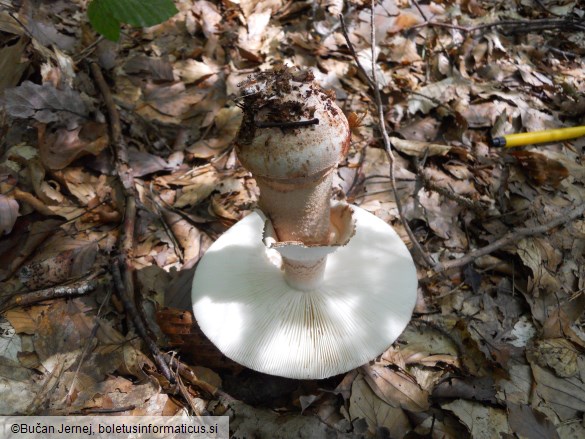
{"points": [[291, 139], [341, 287]]}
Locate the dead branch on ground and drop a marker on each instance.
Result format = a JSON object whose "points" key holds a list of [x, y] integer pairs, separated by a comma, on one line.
{"points": [[511, 26], [132, 311], [374, 86], [512, 236], [79, 288], [125, 285]]}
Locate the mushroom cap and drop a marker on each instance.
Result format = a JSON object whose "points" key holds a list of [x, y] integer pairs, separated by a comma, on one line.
{"points": [[244, 306], [299, 151]]}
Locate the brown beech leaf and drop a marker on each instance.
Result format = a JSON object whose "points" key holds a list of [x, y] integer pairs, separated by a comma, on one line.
{"points": [[396, 387], [366, 404], [10, 64], [38, 232], [418, 148], [144, 163], [527, 422], [559, 354], [540, 169], [482, 421], [59, 149], [156, 68], [565, 395], [427, 346], [560, 321], [45, 103]]}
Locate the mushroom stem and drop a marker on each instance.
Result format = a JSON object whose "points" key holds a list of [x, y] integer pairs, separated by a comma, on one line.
{"points": [[298, 208], [304, 275], [291, 138]]}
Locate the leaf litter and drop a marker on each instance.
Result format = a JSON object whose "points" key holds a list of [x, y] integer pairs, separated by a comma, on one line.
{"points": [[495, 348]]}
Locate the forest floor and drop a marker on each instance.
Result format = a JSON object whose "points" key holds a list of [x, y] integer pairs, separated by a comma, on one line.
{"points": [[117, 172]]}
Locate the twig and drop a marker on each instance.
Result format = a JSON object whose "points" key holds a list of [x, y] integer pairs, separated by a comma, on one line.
{"points": [[516, 25], [122, 168], [354, 54], [430, 185], [88, 344], [189, 375], [118, 143], [138, 324], [105, 411], [285, 124], [126, 243], [125, 285], [515, 235], [420, 11], [75, 289], [373, 83], [544, 8]]}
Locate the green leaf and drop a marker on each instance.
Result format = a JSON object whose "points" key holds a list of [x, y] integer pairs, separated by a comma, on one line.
{"points": [[142, 13], [102, 20]]}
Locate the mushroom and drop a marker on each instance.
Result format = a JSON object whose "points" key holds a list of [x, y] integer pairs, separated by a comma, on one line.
{"points": [[303, 287]]}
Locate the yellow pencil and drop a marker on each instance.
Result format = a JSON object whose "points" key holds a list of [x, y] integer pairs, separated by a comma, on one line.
{"points": [[520, 139]]}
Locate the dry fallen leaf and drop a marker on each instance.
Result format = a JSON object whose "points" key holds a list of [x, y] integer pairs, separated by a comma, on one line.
{"points": [[59, 268], [418, 148], [11, 64], [60, 148], [472, 389], [483, 422], [378, 414], [565, 395], [46, 104], [541, 169], [8, 214], [559, 354], [397, 388], [529, 423]]}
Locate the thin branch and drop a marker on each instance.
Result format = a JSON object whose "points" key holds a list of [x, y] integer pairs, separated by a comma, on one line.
{"points": [[125, 285], [124, 172], [515, 25], [117, 141], [429, 184], [533, 25], [139, 324], [354, 54], [188, 374], [420, 11], [373, 83], [122, 168], [105, 411], [79, 288], [512, 236], [88, 344], [287, 124]]}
